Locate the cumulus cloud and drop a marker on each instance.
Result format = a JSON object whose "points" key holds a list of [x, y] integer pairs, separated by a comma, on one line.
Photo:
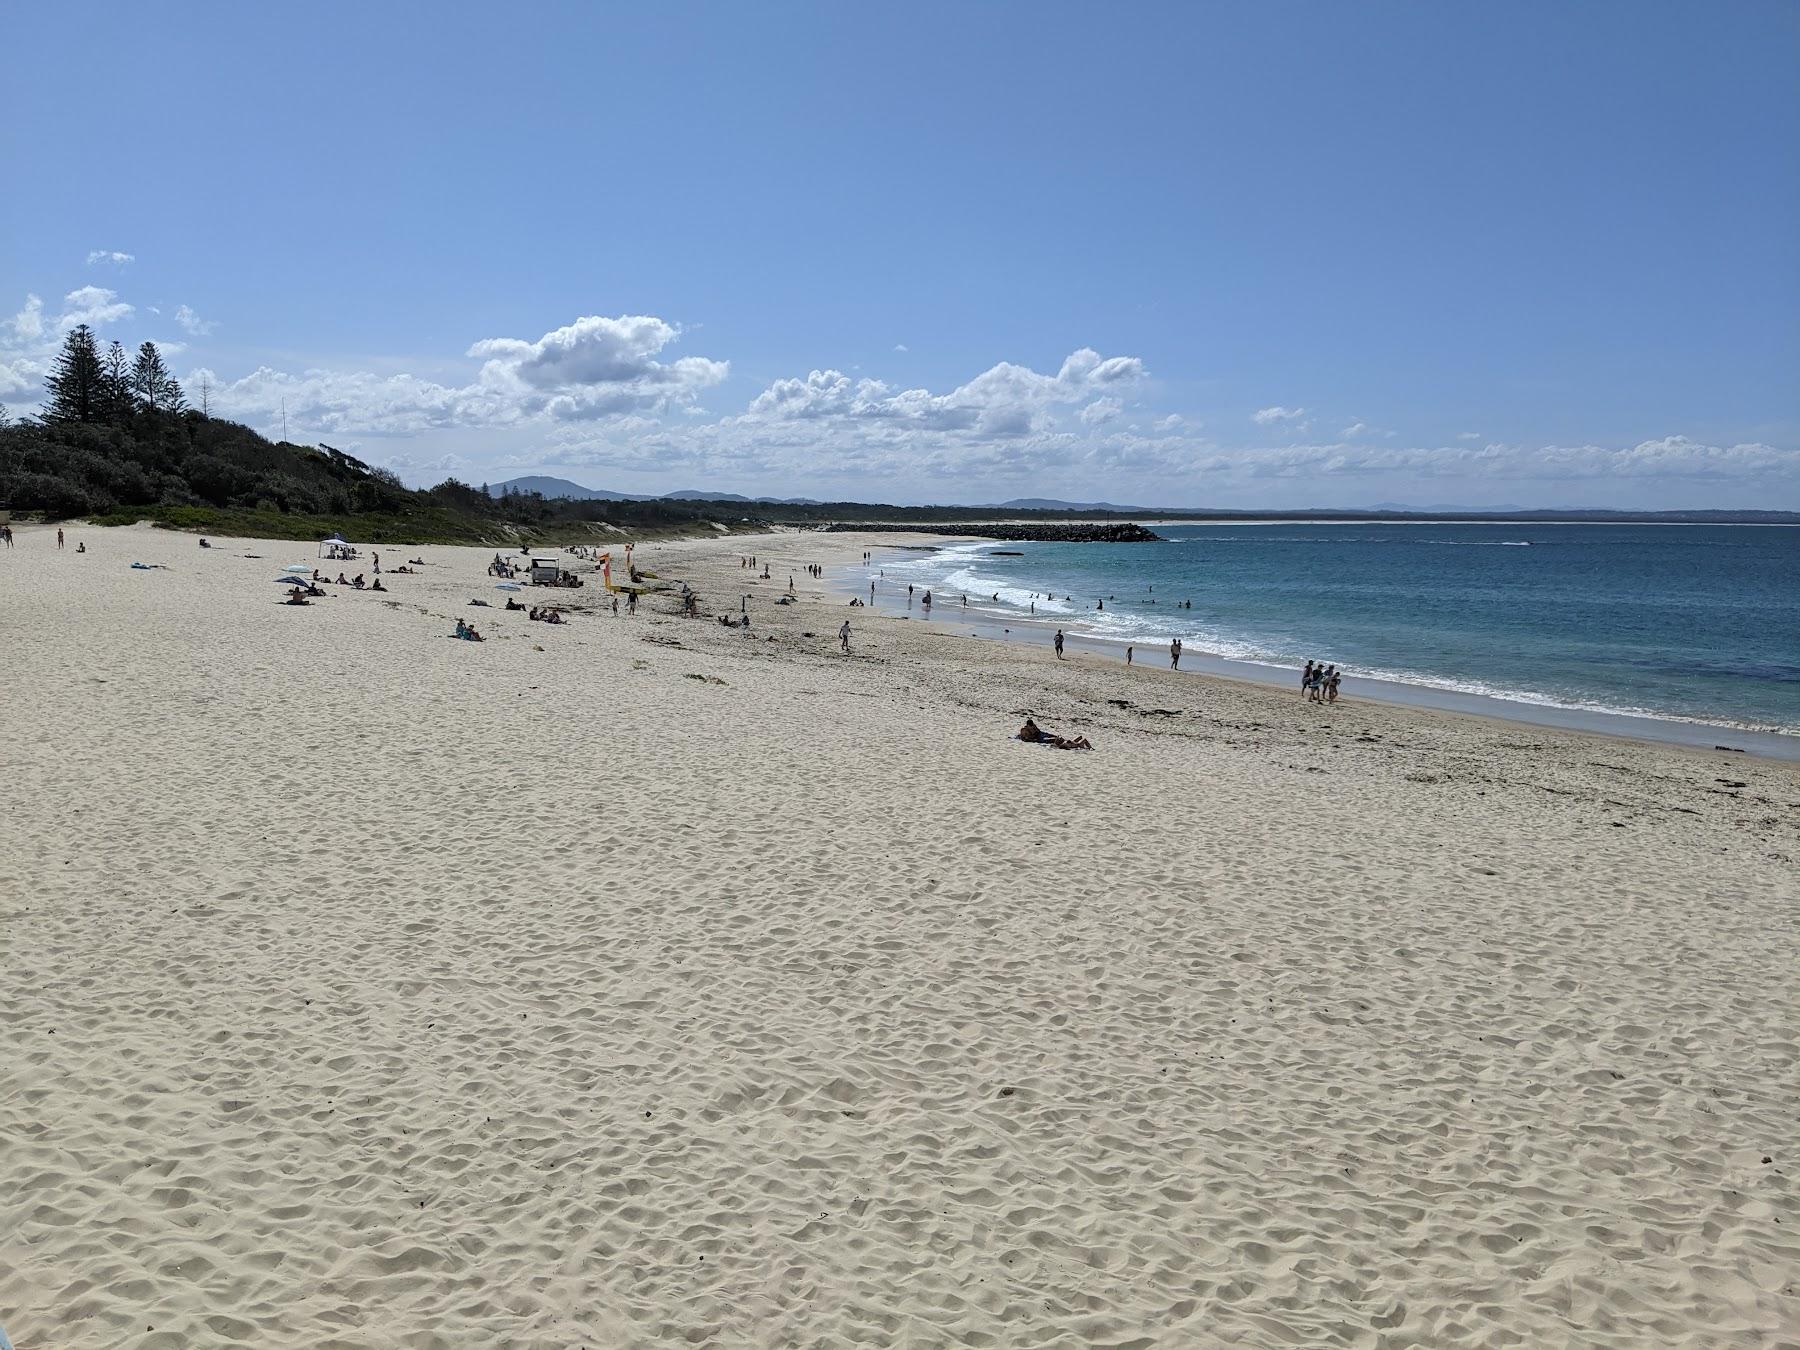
{"points": [[28, 324], [328, 402], [1005, 400], [20, 375], [901, 347], [1355, 429], [1099, 411], [591, 369], [1266, 417], [194, 324], [596, 367], [93, 305], [109, 257]]}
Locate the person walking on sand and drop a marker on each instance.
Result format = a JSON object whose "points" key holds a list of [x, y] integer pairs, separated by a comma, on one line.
{"points": [[1306, 679], [59, 539], [844, 637], [1175, 654], [1128, 656], [1059, 641]]}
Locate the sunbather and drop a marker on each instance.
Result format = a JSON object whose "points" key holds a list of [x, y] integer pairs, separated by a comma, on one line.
{"points": [[1036, 735]]}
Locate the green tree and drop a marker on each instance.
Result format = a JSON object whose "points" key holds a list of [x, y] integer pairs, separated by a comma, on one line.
{"points": [[75, 379], [150, 379], [117, 402]]}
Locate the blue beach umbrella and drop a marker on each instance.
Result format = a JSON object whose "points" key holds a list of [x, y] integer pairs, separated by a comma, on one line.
{"points": [[297, 567], [508, 586]]}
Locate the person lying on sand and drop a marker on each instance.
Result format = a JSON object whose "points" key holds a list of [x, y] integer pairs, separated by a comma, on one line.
{"points": [[513, 604], [1036, 735]]}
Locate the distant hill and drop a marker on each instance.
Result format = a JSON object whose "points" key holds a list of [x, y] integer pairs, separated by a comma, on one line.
{"points": [[692, 495], [1446, 509], [1051, 504], [562, 489]]}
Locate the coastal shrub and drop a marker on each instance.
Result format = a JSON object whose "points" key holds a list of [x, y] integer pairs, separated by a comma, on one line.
{"points": [[57, 498]]}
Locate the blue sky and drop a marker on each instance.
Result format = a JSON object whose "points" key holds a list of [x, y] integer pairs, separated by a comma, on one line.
{"points": [[1189, 254]]}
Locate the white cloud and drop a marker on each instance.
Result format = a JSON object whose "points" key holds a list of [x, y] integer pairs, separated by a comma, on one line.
{"points": [[1672, 457], [1270, 416], [901, 347], [193, 322], [110, 257], [596, 367], [1355, 429], [1173, 422], [20, 375], [327, 402], [1468, 436], [1099, 411], [592, 369], [1006, 400], [93, 305], [28, 323]]}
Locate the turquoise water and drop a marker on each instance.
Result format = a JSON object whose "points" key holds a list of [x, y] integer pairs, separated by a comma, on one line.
{"points": [[1698, 623]]}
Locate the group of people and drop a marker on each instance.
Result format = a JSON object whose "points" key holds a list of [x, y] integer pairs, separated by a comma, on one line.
{"points": [[467, 632], [355, 583], [1319, 682], [545, 614]]}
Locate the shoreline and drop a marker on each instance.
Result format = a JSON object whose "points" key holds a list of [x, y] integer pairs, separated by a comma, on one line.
{"points": [[1690, 734]]}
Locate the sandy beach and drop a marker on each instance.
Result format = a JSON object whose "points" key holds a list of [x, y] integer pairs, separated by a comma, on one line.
{"points": [[641, 981]]}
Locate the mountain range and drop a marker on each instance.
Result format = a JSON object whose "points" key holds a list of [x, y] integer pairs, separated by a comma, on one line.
{"points": [[562, 488]]}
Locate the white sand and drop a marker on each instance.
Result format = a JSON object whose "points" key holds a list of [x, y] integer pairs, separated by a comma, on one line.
{"points": [[360, 987]]}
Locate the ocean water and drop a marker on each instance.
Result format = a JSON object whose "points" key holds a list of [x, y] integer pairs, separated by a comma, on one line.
{"points": [[1694, 623]]}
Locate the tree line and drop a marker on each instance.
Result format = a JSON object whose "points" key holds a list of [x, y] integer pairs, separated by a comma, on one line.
{"points": [[88, 385]]}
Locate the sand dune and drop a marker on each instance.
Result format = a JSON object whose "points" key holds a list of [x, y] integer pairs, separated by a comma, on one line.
{"points": [[367, 988]]}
